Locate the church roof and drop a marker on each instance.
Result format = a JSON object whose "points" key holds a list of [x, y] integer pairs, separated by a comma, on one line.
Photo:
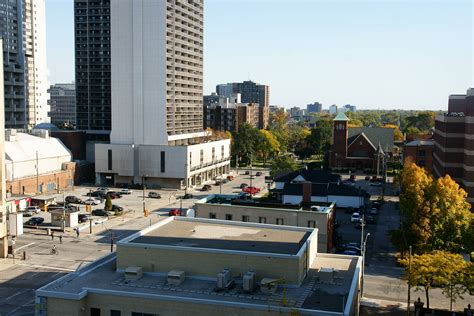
{"points": [[341, 117], [376, 135]]}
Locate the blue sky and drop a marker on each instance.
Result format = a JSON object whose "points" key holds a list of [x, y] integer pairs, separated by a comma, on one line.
{"points": [[373, 54]]}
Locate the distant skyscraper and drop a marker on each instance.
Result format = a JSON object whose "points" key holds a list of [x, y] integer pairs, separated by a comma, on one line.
{"points": [[92, 42], [251, 93], [348, 108], [22, 26], [62, 100], [333, 109], [315, 107]]}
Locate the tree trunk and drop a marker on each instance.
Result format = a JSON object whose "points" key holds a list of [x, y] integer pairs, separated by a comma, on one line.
{"points": [[427, 298]]}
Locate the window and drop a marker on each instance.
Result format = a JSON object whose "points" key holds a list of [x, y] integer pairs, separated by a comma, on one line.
{"points": [[312, 224], [213, 153], [201, 156], [228, 217], [212, 215], [262, 220], [190, 159], [280, 221], [245, 218], [222, 152], [114, 313], [95, 311], [162, 161], [422, 153], [109, 159]]}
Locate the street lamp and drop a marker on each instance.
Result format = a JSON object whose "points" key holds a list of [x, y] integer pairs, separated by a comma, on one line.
{"points": [[364, 248], [143, 198]]}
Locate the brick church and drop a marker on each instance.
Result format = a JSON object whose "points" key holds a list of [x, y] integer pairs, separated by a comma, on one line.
{"points": [[359, 147]]}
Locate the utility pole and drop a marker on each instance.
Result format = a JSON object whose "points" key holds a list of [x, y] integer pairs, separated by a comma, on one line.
{"points": [[143, 198], [37, 173], [362, 224], [409, 280], [250, 170]]}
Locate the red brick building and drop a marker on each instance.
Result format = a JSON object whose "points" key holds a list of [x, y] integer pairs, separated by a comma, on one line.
{"points": [[454, 142], [420, 151], [360, 148]]}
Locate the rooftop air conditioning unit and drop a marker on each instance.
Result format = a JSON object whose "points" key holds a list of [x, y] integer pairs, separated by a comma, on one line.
{"points": [[176, 277], [223, 279], [326, 275], [249, 282], [133, 273]]}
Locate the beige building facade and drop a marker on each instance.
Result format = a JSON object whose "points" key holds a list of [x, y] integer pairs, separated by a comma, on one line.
{"points": [[184, 266], [229, 207]]}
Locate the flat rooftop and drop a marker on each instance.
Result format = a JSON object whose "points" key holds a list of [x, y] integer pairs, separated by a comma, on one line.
{"points": [[313, 294], [248, 237]]}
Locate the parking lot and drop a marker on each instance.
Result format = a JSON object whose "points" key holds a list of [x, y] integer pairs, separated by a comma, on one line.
{"points": [[132, 203]]}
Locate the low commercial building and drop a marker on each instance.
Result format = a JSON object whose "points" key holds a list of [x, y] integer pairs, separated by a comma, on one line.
{"points": [[343, 195], [420, 152], [231, 208], [176, 166], [184, 266], [37, 164]]}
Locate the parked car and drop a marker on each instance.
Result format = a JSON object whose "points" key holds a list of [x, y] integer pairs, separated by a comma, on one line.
{"points": [[116, 209], [353, 248], [350, 253], [369, 219], [103, 189], [114, 195], [230, 178], [126, 191], [34, 209], [367, 178], [355, 218], [97, 194], [92, 201], [100, 212], [244, 196], [206, 187], [375, 184], [376, 205], [154, 195], [251, 190], [73, 199], [352, 177], [217, 182], [373, 211], [258, 174], [247, 172], [82, 218], [188, 196], [174, 212], [243, 185], [27, 213], [35, 221]]}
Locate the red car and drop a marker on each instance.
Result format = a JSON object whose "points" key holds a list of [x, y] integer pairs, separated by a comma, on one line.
{"points": [[251, 190], [175, 212]]}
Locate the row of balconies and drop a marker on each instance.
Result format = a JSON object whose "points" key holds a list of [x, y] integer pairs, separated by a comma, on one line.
{"points": [[204, 165]]}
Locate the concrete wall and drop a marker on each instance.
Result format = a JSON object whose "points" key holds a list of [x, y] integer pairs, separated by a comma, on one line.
{"points": [[210, 264], [290, 217], [50, 182], [170, 307], [138, 63]]}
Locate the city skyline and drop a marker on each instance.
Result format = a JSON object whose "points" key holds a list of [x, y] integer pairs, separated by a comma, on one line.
{"points": [[386, 55]]}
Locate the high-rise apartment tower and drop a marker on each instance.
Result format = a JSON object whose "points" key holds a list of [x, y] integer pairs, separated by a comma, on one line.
{"points": [[22, 26]]}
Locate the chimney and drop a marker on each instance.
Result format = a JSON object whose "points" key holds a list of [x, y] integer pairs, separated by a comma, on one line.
{"points": [[306, 186]]}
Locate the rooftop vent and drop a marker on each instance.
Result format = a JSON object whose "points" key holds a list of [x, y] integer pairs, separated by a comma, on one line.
{"points": [[133, 273], [326, 275], [223, 279], [176, 277], [249, 282]]}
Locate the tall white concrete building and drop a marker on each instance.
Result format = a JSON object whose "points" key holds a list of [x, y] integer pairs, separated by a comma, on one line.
{"points": [[157, 95], [22, 26]]}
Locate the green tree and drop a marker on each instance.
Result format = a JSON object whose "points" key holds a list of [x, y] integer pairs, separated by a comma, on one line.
{"points": [[397, 134], [268, 145], [245, 140], [108, 204], [319, 140], [283, 163], [436, 215], [438, 268], [297, 138]]}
